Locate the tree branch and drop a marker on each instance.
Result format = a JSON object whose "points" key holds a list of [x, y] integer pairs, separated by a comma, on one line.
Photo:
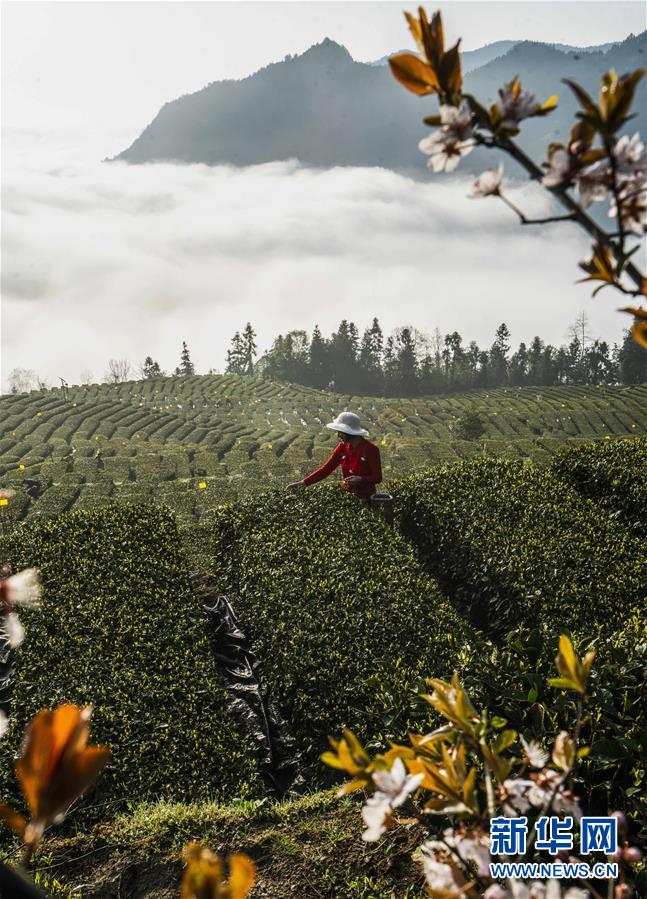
{"points": [[578, 214]]}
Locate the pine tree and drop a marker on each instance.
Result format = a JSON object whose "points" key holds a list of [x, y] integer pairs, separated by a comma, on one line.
{"points": [[236, 356], [370, 359], [318, 362], [406, 364], [390, 367], [186, 367], [519, 366], [151, 368], [632, 361], [248, 349], [343, 358], [499, 356]]}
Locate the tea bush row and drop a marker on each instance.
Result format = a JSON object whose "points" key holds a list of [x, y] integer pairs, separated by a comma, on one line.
{"points": [[120, 629], [613, 474], [340, 613], [512, 544]]}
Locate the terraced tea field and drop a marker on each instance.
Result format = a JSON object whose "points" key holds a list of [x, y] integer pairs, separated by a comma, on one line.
{"points": [[194, 443]]}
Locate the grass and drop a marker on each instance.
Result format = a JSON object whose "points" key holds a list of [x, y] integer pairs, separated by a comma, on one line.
{"points": [[310, 846]]}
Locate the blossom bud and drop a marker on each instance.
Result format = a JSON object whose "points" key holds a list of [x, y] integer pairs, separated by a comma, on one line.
{"points": [[617, 855], [632, 855], [623, 891], [622, 821]]}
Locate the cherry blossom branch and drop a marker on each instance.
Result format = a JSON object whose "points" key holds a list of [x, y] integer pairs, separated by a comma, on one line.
{"points": [[615, 190], [578, 214], [526, 221]]}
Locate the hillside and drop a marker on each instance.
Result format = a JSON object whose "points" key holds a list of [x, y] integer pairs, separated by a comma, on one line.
{"points": [[216, 728], [193, 443], [325, 109]]}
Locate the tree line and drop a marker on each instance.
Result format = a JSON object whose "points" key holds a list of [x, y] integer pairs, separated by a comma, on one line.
{"points": [[410, 362]]}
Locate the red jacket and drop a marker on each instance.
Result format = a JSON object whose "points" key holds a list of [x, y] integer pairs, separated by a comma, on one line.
{"points": [[364, 461]]}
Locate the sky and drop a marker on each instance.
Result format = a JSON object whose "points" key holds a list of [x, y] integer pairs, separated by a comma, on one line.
{"points": [[103, 261]]}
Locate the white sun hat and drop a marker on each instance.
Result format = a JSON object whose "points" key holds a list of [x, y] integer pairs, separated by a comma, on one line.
{"points": [[347, 423]]}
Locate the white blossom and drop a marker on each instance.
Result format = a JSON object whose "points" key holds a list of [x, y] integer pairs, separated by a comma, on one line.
{"points": [[4, 724], [439, 875], [377, 816], [559, 169], [488, 183], [515, 105], [396, 784], [393, 788], [13, 629], [514, 796], [550, 889], [496, 891], [23, 589], [454, 139], [630, 156], [535, 755], [594, 182], [633, 205], [544, 788]]}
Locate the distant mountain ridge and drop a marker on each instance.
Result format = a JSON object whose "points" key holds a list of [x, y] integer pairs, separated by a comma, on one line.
{"points": [[473, 59], [325, 109]]}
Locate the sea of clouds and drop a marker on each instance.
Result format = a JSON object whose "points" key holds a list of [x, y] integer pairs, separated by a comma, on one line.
{"points": [[104, 260]]}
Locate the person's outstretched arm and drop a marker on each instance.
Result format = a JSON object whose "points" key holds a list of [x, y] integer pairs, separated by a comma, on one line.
{"points": [[333, 462]]}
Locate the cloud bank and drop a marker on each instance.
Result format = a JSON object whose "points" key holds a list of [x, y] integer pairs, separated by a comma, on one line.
{"points": [[106, 260]]}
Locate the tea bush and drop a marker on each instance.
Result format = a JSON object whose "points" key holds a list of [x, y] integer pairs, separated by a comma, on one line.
{"points": [[613, 474], [512, 678], [341, 616], [119, 629], [513, 545]]}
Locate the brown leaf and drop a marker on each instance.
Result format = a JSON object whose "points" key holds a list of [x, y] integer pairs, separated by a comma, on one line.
{"points": [[416, 31], [416, 75], [14, 819], [639, 328], [55, 766]]}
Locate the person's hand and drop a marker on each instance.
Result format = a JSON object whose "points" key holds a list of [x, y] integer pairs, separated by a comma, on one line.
{"points": [[295, 486], [353, 480]]}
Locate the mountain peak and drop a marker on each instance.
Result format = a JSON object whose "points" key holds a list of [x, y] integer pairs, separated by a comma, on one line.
{"points": [[328, 50]]}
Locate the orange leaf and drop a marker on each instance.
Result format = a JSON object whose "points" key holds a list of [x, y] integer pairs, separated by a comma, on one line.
{"points": [[55, 765], [243, 874], [414, 28], [639, 328], [15, 820], [416, 75]]}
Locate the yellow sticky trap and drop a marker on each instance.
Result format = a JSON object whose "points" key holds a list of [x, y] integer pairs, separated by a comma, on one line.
{"points": [[202, 485], [4, 502]]}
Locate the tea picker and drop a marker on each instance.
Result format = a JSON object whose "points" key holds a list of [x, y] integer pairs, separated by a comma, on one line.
{"points": [[360, 462]]}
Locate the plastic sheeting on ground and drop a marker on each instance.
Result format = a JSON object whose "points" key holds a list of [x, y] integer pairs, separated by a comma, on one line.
{"points": [[248, 698]]}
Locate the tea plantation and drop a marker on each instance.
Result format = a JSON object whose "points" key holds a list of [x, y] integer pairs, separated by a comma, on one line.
{"points": [[497, 545], [193, 443]]}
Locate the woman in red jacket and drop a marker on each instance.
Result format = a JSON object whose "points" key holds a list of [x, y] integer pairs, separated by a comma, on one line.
{"points": [[360, 462]]}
